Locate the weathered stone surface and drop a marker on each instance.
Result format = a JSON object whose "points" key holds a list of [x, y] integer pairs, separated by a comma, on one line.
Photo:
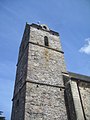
{"points": [[76, 100], [19, 105], [69, 102], [42, 65], [73, 101], [44, 103], [37, 36], [45, 65], [24, 42], [21, 72], [39, 85], [85, 97]]}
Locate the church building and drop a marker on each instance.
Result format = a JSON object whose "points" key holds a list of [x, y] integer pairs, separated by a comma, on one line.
{"points": [[44, 89]]}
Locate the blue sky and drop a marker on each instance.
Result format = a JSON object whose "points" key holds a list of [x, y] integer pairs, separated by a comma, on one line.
{"points": [[71, 18]]}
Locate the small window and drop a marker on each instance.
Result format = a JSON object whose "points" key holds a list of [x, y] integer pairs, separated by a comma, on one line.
{"points": [[46, 41], [44, 27]]}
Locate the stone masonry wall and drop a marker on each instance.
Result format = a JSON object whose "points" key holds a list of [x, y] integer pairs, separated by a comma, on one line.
{"points": [[45, 65], [84, 89], [24, 41], [21, 73], [77, 94], [18, 109], [45, 87], [44, 103], [37, 36]]}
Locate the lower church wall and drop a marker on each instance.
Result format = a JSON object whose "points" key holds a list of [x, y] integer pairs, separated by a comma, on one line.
{"points": [[44, 103]]}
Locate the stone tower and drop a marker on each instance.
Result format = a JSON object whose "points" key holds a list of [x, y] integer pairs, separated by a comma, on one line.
{"points": [[39, 87]]}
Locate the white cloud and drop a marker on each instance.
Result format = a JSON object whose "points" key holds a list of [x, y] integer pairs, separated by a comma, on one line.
{"points": [[86, 48]]}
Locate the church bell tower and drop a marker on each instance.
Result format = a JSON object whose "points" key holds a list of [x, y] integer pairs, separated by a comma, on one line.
{"points": [[39, 87]]}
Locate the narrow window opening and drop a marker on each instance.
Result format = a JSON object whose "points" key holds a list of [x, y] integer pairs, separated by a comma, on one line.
{"points": [[46, 41], [44, 27]]}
